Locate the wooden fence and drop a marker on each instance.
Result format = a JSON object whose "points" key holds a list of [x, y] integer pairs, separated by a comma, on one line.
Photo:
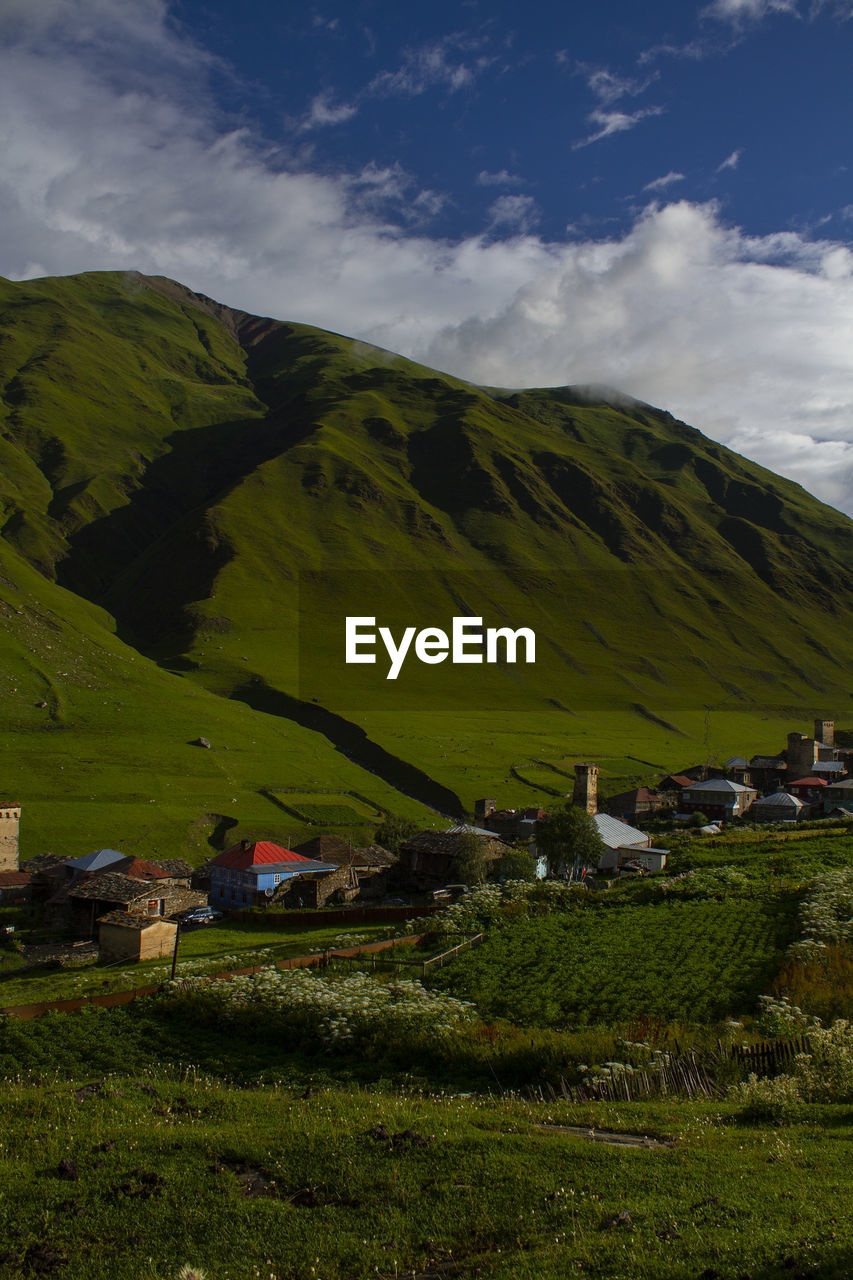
{"points": [[355, 960], [685, 1073]]}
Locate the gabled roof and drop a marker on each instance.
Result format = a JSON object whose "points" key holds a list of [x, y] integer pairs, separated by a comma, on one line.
{"points": [[98, 861], [110, 887], [779, 800], [465, 829], [14, 879], [448, 843], [846, 785], [809, 782], [681, 779], [253, 853], [737, 762], [641, 795], [289, 868], [139, 869], [616, 834], [373, 855], [719, 784], [133, 920], [44, 862]]}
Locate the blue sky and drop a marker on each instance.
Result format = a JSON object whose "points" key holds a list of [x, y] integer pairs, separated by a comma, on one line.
{"points": [[656, 197]]}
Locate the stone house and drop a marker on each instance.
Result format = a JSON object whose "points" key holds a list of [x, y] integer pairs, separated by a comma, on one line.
{"points": [[16, 888], [134, 935], [777, 807], [429, 858], [143, 888], [636, 804]]}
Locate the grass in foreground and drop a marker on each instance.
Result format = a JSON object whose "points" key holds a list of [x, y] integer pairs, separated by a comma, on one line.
{"points": [[158, 1171]]}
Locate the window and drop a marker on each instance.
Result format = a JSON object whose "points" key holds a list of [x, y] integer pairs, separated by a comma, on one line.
{"points": [[278, 879]]}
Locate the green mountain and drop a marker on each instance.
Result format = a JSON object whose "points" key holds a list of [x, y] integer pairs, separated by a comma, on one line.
{"points": [[194, 500]]}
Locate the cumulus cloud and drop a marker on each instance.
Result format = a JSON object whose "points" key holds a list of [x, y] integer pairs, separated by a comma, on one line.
{"points": [[748, 338], [660, 184]]}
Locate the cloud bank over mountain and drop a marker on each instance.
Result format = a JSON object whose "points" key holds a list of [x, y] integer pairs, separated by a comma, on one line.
{"points": [[118, 154]]}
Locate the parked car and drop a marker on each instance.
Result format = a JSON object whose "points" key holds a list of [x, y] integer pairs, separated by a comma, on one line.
{"points": [[198, 917]]}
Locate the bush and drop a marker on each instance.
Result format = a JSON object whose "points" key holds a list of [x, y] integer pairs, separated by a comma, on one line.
{"points": [[826, 1074], [777, 1099]]}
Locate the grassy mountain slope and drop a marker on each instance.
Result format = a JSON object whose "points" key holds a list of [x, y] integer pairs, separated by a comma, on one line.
{"points": [[228, 489]]}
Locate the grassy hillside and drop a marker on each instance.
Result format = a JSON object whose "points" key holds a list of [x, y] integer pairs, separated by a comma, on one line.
{"points": [[225, 490]]}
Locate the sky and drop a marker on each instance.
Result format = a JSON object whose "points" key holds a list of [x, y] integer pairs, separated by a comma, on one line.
{"points": [[657, 198]]}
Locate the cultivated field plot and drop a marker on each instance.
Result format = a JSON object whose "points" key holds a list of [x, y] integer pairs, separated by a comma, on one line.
{"points": [[695, 961], [327, 808]]}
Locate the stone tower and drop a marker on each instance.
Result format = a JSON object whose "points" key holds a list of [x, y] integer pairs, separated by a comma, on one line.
{"points": [[585, 794], [482, 809], [10, 819], [824, 732], [801, 755]]}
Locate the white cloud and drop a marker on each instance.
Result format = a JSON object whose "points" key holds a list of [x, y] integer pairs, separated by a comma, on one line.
{"points": [[515, 213], [608, 86], [738, 11], [660, 184], [748, 338], [611, 122], [432, 64], [501, 179], [323, 111], [730, 162]]}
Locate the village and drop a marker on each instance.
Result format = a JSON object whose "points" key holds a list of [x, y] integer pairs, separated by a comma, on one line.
{"points": [[109, 907]]}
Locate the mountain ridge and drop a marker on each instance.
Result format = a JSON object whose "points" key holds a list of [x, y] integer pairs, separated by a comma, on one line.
{"points": [[224, 485]]}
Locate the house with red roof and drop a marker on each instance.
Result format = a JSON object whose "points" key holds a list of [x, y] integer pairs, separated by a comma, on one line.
{"points": [[248, 874]]}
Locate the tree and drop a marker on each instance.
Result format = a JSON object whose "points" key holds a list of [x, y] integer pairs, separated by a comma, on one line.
{"points": [[515, 864], [470, 860], [395, 831], [570, 841]]}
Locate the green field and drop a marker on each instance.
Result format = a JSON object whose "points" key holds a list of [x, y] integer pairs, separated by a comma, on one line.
{"points": [[691, 962]]}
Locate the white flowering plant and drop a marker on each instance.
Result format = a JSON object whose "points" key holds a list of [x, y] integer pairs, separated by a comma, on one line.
{"points": [[331, 1011]]}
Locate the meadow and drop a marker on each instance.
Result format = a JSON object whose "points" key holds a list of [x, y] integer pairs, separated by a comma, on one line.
{"points": [[158, 1171]]}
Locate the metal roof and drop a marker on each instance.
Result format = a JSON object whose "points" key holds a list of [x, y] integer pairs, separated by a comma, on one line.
{"points": [[618, 835], [289, 868], [464, 829], [252, 853], [98, 861], [778, 800], [718, 784]]}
